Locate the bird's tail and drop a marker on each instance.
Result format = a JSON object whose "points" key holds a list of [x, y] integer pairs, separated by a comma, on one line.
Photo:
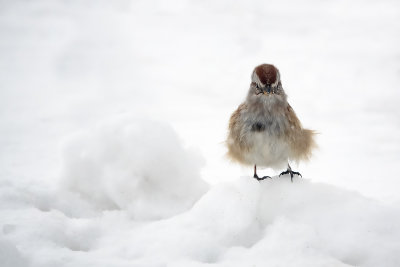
{"points": [[304, 145]]}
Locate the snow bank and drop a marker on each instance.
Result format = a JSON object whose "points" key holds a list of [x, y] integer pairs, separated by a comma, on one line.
{"points": [[272, 223], [238, 223], [277, 223], [135, 165]]}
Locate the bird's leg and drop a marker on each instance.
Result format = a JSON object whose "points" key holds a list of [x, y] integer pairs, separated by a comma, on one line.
{"points": [[289, 171], [256, 176]]}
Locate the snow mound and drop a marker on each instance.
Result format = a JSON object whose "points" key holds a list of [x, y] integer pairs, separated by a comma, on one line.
{"points": [[238, 223], [273, 223], [136, 165]]}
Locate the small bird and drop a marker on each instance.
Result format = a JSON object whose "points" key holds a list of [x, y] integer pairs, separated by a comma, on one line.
{"points": [[264, 130]]}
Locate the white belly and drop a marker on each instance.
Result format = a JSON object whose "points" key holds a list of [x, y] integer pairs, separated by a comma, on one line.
{"points": [[267, 151]]}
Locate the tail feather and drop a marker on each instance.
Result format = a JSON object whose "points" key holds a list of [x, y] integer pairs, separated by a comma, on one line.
{"points": [[303, 145]]}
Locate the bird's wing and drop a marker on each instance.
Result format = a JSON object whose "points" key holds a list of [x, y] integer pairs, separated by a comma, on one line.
{"points": [[294, 122], [235, 142], [235, 118]]}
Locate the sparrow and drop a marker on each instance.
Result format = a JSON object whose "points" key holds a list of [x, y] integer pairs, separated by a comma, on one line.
{"points": [[264, 130]]}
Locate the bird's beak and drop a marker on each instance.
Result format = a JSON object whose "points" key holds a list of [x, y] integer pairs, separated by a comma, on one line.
{"points": [[267, 90]]}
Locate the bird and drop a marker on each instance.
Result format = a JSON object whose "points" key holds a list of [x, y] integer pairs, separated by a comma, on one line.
{"points": [[264, 130]]}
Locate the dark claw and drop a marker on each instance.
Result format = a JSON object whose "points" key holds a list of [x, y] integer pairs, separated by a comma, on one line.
{"points": [[260, 179], [291, 174], [297, 173]]}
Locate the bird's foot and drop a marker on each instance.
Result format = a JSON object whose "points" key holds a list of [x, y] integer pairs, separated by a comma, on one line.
{"points": [[262, 178], [292, 173]]}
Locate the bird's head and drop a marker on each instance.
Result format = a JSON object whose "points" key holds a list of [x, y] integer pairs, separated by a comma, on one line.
{"points": [[265, 80], [266, 85]]}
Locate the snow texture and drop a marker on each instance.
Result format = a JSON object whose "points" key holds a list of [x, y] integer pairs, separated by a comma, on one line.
{"points": [[135, 165], [113, 116]]}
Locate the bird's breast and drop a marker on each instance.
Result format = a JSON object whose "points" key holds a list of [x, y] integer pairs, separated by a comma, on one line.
{"points": [[271, 124], [266, 150], [258, 127]]}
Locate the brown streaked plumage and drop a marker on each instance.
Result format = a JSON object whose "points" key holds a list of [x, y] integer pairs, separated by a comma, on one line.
{"points": [[264, 130]]}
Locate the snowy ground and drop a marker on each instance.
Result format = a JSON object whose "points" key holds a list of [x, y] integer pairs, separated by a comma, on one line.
{"points": [[113, 116]]}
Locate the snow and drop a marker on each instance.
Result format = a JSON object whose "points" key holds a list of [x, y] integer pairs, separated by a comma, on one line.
{"points": [[113, 116], [136, 165], [9, 254], [241, 222]]}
